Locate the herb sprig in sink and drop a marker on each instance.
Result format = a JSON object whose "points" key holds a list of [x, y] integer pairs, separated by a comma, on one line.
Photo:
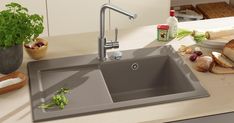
{"points": [[59, 99]]}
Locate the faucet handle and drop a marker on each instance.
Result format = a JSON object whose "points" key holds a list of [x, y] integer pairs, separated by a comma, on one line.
{"points": [[116, 34], [113, 44]]}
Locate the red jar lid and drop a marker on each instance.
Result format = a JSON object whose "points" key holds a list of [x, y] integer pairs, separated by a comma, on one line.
{"points": [[163, 26], [172, 13]]}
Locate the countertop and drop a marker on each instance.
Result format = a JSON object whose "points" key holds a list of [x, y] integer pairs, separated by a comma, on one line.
{"points": [[15, 106]]}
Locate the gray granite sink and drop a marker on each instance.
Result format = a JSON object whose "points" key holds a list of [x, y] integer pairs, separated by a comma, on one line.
{"points": [[141, 77], [152, 77]]}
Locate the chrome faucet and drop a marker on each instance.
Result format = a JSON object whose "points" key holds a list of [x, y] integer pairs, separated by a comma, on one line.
{"points": [[103, 44]]}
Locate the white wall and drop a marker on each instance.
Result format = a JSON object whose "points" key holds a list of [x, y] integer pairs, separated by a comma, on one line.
{"points": [[149, 12], [79, 16], [193, 2], [74, 16], [34, 6]]}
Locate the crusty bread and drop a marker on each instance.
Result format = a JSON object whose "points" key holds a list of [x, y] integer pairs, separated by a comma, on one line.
{"points": [[222, 60], [203, 63], [228, 50], [215, 68]]}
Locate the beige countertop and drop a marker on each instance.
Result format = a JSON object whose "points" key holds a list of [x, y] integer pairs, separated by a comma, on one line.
{"points": [[15, 106]]}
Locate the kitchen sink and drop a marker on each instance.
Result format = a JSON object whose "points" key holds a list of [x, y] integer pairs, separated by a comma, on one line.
{"points": [[142, 77]]}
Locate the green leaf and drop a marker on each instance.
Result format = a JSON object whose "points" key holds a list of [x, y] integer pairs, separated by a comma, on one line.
{"points": [[17, 26], [59, 99]]}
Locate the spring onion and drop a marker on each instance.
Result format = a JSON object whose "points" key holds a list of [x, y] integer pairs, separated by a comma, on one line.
{"points": [[197, 36]]}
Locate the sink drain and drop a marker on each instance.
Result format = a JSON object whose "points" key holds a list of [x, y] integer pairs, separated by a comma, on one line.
{"points": [[134, 66]]}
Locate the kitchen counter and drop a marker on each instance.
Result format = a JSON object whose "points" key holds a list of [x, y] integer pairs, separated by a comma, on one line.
{"points": [[15, 106]]}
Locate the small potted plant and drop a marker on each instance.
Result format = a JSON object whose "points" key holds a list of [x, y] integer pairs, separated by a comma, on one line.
{"points": [[17, 27]]}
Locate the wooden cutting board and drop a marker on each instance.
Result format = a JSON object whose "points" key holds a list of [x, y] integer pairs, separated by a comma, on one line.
{"points": [[216, 10]]}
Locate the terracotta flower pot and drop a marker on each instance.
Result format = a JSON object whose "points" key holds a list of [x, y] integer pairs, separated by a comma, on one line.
{"points": [[37, 52], [10, 58]]}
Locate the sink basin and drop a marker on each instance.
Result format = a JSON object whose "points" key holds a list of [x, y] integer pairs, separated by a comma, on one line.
{"points": [[142, 77], [151, 77]]}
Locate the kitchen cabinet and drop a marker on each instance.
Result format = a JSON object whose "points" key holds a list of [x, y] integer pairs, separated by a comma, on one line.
{"points": [[34, 7], [149, 12], [74, 16]]}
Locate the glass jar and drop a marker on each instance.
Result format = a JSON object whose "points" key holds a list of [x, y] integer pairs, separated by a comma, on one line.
{"points": [[163, 32]]}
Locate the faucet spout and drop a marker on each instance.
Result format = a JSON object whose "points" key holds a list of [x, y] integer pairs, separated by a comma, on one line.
{"points": [[102, 39], [117, 9]]}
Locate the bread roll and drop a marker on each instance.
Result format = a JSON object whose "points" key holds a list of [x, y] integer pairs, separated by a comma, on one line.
{"points": [[203, 63]]}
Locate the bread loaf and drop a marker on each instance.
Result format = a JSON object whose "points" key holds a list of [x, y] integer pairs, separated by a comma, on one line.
{"points": [[228, 50]]}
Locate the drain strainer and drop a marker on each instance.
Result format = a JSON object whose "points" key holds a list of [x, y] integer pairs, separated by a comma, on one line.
{"points": [[134, 66]]}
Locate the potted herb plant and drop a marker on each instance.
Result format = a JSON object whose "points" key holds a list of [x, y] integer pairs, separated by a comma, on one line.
{"points": [[17, 27]]}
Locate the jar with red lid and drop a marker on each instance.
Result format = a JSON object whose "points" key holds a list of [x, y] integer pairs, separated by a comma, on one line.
{"points": [[163, 32]]}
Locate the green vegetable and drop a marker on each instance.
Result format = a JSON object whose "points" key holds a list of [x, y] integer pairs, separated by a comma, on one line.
{"points": [[17, 26], [183, 33], [197, 36], [59, 99]]}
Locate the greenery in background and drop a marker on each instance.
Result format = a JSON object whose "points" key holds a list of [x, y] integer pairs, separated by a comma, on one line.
{"points": [[17, 26], [197, 36], [59, 99]]}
